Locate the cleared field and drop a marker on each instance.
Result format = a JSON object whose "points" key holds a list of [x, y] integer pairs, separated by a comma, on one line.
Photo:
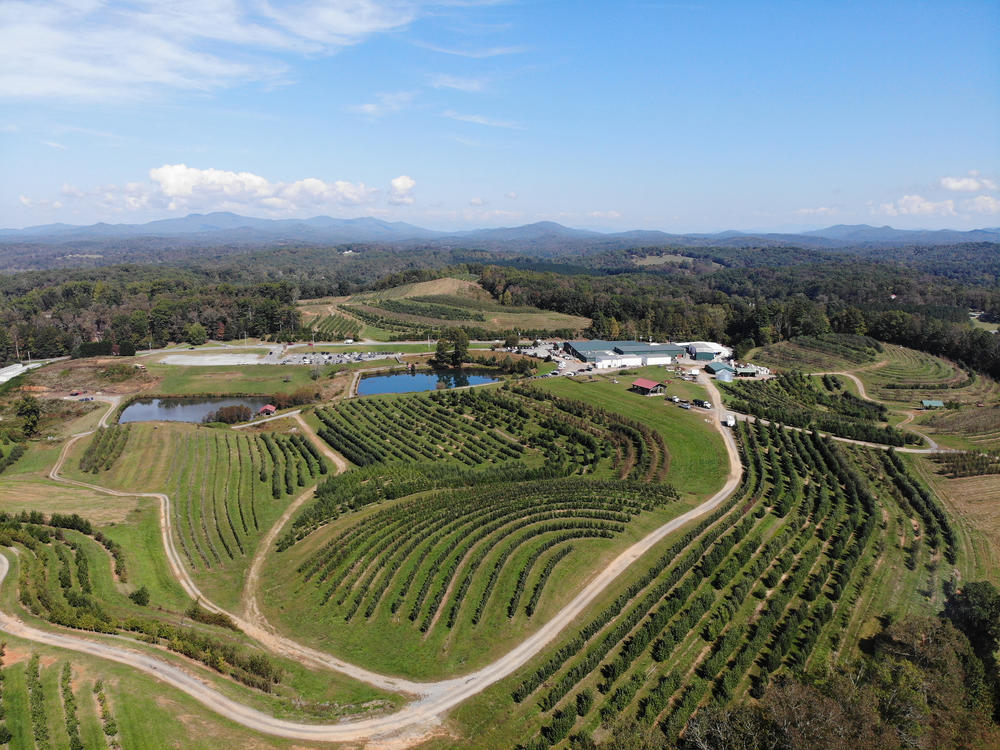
{"points": [[825, 353], [264, 379], [975, 504], [226, 489]]}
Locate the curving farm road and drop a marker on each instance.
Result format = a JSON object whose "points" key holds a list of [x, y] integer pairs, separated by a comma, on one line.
{"points": [[432, 699]]}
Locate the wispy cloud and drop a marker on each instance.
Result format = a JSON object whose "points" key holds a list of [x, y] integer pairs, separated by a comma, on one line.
{"points": [[482, 120], [55, 145], [384, 103], [445, 81], [817, 211], [86, 49], [473, 53]]}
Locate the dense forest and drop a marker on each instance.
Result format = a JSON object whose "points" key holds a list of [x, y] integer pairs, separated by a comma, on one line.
{"points": [[746, 297]]}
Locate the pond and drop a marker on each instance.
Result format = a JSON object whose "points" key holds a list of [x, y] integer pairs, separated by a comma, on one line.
{"points": [[405, 382], [182, 409]]}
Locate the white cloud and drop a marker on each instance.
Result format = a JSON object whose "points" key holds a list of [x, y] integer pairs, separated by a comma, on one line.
{"points": [[187, 187], [818, 211], [511, 196], [55, 145], [400, 189], [605, 214], [969, 184], [384, 104], [915, 205], [983, 204], [477, 202], [445, 81], [481, 120], [476, 54], [89, 49]]}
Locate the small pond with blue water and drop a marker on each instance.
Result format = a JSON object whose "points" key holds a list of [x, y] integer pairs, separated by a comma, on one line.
{"points": [[406, 382], [183, 409]]}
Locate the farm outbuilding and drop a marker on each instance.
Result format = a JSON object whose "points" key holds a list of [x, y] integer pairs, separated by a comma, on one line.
{"points": [[267, 410], [647, 387], [724, 376], [932, 403], [714, 368]]}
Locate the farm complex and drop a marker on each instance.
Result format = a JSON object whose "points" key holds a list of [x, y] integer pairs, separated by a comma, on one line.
{"points": [[306, 564]]}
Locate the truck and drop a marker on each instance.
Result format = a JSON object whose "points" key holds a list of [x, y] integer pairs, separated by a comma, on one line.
{"points": [[730, 420], [702, 403]]}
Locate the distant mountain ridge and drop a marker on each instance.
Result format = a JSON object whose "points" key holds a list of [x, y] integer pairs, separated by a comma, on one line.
{"points": [[222, 227]]}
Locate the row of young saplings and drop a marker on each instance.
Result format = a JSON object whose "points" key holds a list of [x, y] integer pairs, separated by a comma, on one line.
{"points": [[440, 543], [641, 452], [369, 431], [105, 448], [969, 463], [366, 485], [704, 589], [580, 427], [794, 399], [286, 463], [51, 550]]}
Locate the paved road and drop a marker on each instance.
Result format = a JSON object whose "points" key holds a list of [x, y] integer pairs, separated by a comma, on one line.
{"points": [[433, 699]]}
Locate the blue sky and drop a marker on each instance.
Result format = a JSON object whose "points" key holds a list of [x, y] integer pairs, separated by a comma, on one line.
{"points": [[688, 116]]}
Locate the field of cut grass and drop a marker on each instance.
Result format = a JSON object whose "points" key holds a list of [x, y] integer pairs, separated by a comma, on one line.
{"points": [[265, 379]]}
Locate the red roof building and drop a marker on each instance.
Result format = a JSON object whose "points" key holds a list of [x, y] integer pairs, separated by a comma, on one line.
{"points": [[267, 409], [646, 387]]}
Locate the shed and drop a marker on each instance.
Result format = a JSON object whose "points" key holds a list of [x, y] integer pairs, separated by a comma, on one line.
{"points": [[724, 376], [646, 387], [267, 410], [932, 403], [746, 372], [716, 367]]}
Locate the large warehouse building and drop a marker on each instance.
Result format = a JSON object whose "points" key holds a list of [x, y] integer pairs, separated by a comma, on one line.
{"points": [[605, 354]]}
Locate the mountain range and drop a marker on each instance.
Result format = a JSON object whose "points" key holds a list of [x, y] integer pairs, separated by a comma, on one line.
{"points": [[229, 228]]}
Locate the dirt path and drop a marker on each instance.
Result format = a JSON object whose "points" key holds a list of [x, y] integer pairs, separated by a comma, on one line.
{"points": [[414, 721], [932, 445], [251, 604]]}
